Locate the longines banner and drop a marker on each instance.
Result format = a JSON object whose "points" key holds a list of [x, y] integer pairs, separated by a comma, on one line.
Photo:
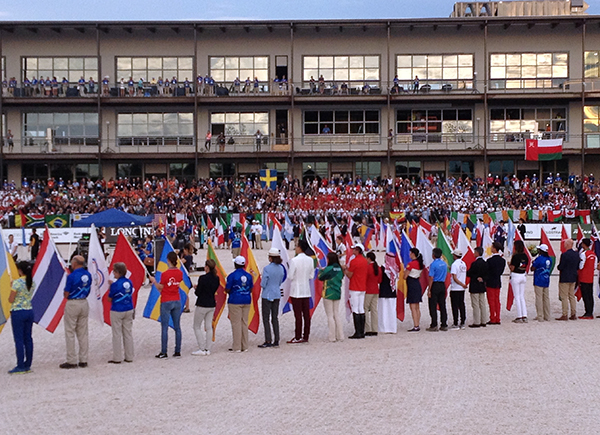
{"points": [[130, 232]]}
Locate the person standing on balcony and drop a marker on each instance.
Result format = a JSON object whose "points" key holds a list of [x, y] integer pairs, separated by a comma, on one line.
{"points": [[326, 129], [35, 87], [258, 137], [207, 140], [321, 85], [140, 87], [312, 84], [54, 86], [81, 87], [10, 141], [276, 86], [160, 86], [105, 86], [130, 86], [390, 138], [167, 88], [236, 86], [186, 86], [256, 84], [27, 85], [221, 141], [416, 85], [91, 86], [174, 85], [284, 85], [48, 87], [247, 86]]}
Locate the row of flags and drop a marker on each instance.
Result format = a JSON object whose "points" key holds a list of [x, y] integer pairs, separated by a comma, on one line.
{"points": [[22, 220], [584, 216]]}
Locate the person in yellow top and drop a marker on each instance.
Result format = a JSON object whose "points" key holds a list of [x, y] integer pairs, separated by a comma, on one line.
{"points": [[22, 317]]}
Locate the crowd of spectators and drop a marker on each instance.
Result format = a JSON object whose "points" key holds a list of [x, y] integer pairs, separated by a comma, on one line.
{"points": [[432, 197]]}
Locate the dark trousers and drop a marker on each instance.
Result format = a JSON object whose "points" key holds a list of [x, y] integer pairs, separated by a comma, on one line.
{"points": [[270, 309], [438, 298], [301, 308], [22, 324], [457, 301], [587, 294]]}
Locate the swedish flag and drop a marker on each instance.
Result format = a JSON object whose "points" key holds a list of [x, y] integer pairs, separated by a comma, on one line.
{"points": [[268, 178]]}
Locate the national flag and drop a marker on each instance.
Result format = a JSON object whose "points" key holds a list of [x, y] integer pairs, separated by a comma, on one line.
{"points": [[252, 269], [511, 296], [49, 277], [321, 249], [209, 223], [268, 178], [394, 270], [58, 220], [136, 271], [486, 243], [545, 240], [425, 225], [96, 263], [585, 216], [543, 149], [563, 237], [444, 245], [580, 235], [285, 262], [465, 247], [471, 227], [426, 249], [396, 215], [288, 228], [181, 220], [220, 295], [8, 272], [366, 234], [220, 230], [554, 215], [152, 309], [510, 237], [570, 214]]}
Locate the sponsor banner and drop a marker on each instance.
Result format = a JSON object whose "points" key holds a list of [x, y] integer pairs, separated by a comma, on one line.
{"points": [[59, 235], [112, 234], [534, 231]]}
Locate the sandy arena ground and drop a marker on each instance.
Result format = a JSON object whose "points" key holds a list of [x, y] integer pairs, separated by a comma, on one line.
{"points": [[535, 378]]}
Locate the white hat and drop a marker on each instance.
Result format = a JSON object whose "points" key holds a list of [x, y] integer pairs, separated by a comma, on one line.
{"points": [[542, 247], [358, 245], [239, 260], [274, 252], [457, 253]]}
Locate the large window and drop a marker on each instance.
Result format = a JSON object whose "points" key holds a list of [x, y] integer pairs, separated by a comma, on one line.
{"points": [[73, 68], [155, 128], [341, 122], [65, 128], [592, 64], [129, 170], [528, 70], [461, 169], [502, 168], [434, 125], [591, 122], [517, 124], [34, 171], [87, 170], [240, 123], [366, 170], [408, 169], [221, 170], [227, 68], [455, 69], [350, 69], [154, 67]]}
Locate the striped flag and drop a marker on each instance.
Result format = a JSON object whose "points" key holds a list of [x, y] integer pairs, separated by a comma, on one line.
{"points": [[220, 295], [285, 262], [543, 149], [321, 249], [98, 269], [252, 269], [49, 278], [545, 240], [8, 272]]}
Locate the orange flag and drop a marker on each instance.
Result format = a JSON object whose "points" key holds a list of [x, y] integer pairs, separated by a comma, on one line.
{"points": [[252, 269]]}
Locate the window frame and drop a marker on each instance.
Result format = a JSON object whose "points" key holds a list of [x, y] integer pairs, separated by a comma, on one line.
{"points": [[155, 139], [338, 122], [84, 71], [458, 82], [70, 139], [238, 133], [147, 77], [507, 134], [521, 82], [439, 125], [239, 69], [357, 82], [595, 65]]}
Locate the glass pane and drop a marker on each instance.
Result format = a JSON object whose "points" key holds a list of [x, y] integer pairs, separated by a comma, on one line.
{"points": [[155, 63], [498, 60], [170, 63], [63, 63], [357, 62], [371, 61], [247, 62], [325, 61], [156, 118], [434, 73], [261, 62], [465, 60], [465, 73], [91, 63], [341, 74], [217, 118], [357, 74], [185, 63], [262, 117], [123, 63], [560, 71], [341, 61], [498, 72], [328, 74], [450, 60], [217, 63], [419, 61], [450, 73], [371, 74], [311, 62], [404, 61], [513, 59], [45, 63], [560, 58], [139, 63], [232, 63], [530, 58], [234, 118]]}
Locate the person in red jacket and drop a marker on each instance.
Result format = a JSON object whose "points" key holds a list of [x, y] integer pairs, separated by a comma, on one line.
{"points": [[372, 295], [587, 267]]}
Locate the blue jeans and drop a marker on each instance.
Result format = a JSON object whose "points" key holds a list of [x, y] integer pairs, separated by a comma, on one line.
{"points": [[22, 323], [170, 310]]}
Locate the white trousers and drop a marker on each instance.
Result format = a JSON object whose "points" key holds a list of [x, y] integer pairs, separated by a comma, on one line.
{"points": [[518, 285], [357, 302]]}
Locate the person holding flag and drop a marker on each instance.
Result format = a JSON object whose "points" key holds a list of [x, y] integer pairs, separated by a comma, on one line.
{"points": [[496, 265], [205, 291], [542, 267], [436, 291], [272, 278], [332, 276], [518, 270], [478, 273], [170, 304], [568, 268], [302, 270], [458, 285], [239, 288], [414, 291], [120, 296], [372, 295]]}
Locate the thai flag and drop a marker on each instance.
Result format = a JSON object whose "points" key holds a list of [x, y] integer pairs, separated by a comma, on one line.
{"points": [[49, 278]]}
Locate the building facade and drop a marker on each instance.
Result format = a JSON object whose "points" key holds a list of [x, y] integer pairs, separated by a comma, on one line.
{"points": [[453, 96]]}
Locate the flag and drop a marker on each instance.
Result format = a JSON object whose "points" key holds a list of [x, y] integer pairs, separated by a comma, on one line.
{"points": [[58, 220], [220, 295], [152, 308], [285, 262], [366, 233], [426, 249], [486, 244], [563, 237], [209, 222], [570, 214], [181, 219], [49, 276], [464, 246], [554, 215], [396, 215], [321, 249], [96, 262], [510, 237], [551, 254], [268, 178], [584, 216], [136, 271], [220, 230], [511, 296], [394, 269], [8, 272], [444, 245], [425, 225], [34, 221], [543, 149], [288, 228], [252, 269]]}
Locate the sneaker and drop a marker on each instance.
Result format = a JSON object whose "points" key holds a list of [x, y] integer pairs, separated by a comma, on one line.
{"points": [[68, 366], [245, 350], [177, 355], [474, 326], [162, 356], [206, 352], [432, 329], [524, 319], [586, 317], [518, 320], [265, 345], [18, 371], [199, 352], [82, 365], [462, 326], [415, 329], [114, 362], [454, 328], [276, 344], [295, 341], [444, 328]]}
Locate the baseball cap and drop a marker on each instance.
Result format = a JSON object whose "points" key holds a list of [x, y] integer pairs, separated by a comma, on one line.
{"points": [[359, 246], [274, 252], [457, 253], [542, 247], [239, 260]]}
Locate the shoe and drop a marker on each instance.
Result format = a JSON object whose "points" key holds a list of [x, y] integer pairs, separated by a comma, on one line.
{"points": [[187, 310], [454, 328], [128, 360], [462, 326], [586, 317], [162, 356], [356, 319], [265, 345], [518, 320], [371, 334], [68, 366], [82, 365], [432, 329], [524, 319], [295, 341], [19, 371], [415, 329], [177, 355], [276, 344], [245, 350], [563, 318], [114, 362], [444, 328], [199, 352], [206, 352], [490, 323], [482, 325], [304, 340], [474, 326], [235, 351], [573, 317]]}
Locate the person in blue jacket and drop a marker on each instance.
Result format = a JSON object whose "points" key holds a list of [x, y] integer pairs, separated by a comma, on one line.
{"points": [[121, 314]]}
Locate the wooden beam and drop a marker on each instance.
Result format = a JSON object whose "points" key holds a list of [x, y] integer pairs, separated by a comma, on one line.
{"points": [[103, 29], [223, 29], [530, 25], [270, 29], [506, 26], [247, 29]]}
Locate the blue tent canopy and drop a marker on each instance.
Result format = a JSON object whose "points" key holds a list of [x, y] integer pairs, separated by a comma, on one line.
{"points": [[113, 218]]}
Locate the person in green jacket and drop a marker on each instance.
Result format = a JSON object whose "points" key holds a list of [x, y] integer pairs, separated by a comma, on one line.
{"points": [[332, 277]]}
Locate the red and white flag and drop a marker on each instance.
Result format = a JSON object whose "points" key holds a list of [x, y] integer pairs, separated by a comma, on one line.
{"points": [[543, 149]]}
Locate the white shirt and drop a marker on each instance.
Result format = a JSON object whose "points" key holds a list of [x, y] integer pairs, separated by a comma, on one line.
{"points": [[257, 229], [302, 270], [458, 268], [12, 247]]}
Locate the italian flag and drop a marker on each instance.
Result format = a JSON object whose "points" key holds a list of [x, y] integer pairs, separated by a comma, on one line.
{"points": [[542, 150]]}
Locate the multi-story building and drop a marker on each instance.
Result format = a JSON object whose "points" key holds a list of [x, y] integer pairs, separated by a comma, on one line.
{"points": [[350, 105]]}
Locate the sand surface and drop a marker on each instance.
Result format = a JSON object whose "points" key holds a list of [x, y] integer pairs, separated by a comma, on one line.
{"points": [[535, 378]]}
